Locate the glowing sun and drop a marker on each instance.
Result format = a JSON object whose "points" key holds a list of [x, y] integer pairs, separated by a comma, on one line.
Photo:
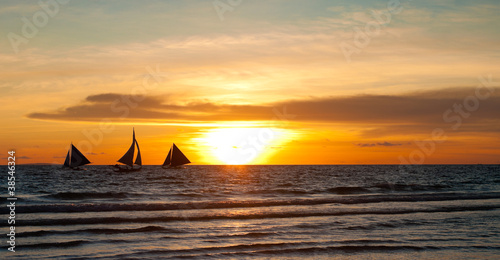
{"points": [[242, 145]]}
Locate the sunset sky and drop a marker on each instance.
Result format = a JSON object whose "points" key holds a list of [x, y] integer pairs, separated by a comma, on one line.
{"points": [[252, 82]]}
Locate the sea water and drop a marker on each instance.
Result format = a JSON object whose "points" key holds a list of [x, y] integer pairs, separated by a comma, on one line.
{"points": [[256, 212]]}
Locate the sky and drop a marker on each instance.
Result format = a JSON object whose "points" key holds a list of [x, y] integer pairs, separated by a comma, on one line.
{"points": [[252, 82]]}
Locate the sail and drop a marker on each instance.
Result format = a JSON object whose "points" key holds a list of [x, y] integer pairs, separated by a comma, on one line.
{"points": [[178, 158], [167, 160], [128, 157], [138, 160], [66, 162], [77, 158]]}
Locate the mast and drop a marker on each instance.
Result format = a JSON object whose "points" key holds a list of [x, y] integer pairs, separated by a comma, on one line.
{"points": [[168, 159], [128, 157]]}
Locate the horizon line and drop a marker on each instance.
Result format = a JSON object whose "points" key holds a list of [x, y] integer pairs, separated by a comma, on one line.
{"points": [[388, 164]]}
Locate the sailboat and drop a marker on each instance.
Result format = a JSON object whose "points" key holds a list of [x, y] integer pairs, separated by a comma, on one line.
{"points": [[175, 157], [128, 158], [75, 159]]}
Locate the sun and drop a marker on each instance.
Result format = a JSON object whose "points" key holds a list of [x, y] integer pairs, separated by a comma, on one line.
{"points": [[242, 145]]}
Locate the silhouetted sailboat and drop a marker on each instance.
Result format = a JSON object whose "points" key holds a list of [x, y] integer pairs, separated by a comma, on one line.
{"points": [[175, 157], [75, 159], [128, 158]]}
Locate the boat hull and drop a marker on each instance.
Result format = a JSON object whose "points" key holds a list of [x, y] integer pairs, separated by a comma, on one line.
{"points": [[74, 168], [173, 167], [125, 169]]}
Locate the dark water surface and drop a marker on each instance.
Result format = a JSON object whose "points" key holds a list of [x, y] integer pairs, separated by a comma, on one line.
{"points": [[284, 212]]}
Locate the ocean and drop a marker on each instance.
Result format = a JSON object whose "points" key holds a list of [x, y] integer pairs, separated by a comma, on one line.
{"points": [[256, 212]]}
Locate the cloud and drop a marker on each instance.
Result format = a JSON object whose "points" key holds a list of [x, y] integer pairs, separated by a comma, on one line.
{"points": [[388, 144], [18, 157], [133, 107], [95, 153], [385, 143], [365, 145], [384, 113]]}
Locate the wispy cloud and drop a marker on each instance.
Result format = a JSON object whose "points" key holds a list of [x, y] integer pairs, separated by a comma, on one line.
{"points": [[95, 153], [387, 144], [18, 157], [269, 55]]}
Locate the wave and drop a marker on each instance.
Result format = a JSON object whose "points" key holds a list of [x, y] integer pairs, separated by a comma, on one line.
{"points": [[349, 249], [385, 187], [377, 188], [66, 244], [267, 249], [73, 243], [250, 235], [279, 192], [410, 187], [348, 190], [384, 225], [264, 215], [88, 195], [358, 199], [146, 229]]}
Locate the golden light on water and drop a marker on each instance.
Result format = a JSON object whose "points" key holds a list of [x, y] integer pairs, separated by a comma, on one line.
{"points": [[243, 145]]}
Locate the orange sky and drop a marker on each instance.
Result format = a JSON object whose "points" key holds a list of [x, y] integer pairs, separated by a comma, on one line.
{"points": [[302, 83]]}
